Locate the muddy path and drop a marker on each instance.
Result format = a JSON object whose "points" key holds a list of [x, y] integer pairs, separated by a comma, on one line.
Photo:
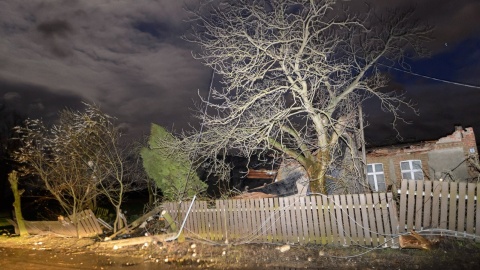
{"points": [[25, 259], [47, 252]]}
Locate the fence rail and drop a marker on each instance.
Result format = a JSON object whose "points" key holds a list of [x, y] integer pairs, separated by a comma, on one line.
{"points": [[363, 219]]}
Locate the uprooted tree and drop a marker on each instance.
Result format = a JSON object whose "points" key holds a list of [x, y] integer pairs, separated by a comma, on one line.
{"points": [[170, 168], [294, 74], [78, 160]]}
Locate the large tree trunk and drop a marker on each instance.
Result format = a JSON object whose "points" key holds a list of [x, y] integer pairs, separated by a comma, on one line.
{"points": [[13, 179], [317, 170]]}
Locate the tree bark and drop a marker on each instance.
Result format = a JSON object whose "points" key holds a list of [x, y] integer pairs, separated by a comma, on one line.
{"points": [[13, 179]]}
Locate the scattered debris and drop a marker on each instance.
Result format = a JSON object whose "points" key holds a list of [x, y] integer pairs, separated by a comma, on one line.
{"points": [[414, 240], [284, 248]]}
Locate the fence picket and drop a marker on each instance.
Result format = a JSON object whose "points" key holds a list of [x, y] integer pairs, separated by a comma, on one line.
{"points": [[437, 188], [444, 205], [477, 216], [418, 204], [403, 205], [344, 208], [307, 220], [366, 226], [462, 189], [371, 216], [352, 218], [378, 218], [411, 203], [338, 216], [358, 220], [452, 207], [393, 219], [470, 208], [385, 216], [427, 204]]}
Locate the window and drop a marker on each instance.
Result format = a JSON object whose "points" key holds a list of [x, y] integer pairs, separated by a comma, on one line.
{"points": [[411, 169], [376, 177]]}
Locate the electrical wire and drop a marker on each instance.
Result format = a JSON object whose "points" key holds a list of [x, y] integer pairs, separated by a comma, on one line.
{"points": [[431, 78]]}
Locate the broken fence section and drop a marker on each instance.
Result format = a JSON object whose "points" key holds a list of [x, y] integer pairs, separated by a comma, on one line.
{"points": [[88, 226], [354, 219]]}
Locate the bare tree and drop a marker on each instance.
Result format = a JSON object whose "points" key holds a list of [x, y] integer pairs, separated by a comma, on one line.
{"points": [[293, 74], [78, 160]]}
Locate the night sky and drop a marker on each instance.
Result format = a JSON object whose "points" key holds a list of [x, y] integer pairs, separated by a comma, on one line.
{"points": [[127, 57]]}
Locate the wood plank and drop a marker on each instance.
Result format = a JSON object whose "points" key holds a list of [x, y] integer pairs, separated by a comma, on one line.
{"points": [[214, 226], [238, 220], [378, 218], [444, 205], [277, 218], [257, 221], [345, 220], [264, 218], [319, 219], [283, 219], [418, 204], [245, 234], [392, 206], [411, 204], [470, 208], [220, 218], [231, 220], [358, 220], [195, 217], [273, 222], [437, 188], [352, 219], [462, 191], [202, 206], [302, 221], [366, 227], [180, 215], [371, 218], [324, 214], [338, 216], [308, 233], [289, 211], [452, 216], [385, 218], [330, 210], [477, 215], [402, 221], [427, 205]]}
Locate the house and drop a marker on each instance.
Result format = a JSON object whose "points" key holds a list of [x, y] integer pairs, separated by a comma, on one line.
{"points": [[445, 159]]}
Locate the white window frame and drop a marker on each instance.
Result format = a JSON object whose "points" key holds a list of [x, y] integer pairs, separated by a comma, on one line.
{"points": [[374, 173], [411, 170]]}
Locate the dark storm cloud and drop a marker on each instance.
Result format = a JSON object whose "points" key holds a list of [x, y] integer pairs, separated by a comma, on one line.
{"points": [[128, 57], [54, 28]]}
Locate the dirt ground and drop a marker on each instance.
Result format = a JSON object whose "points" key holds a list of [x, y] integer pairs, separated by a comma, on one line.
{"points": [[449, 254]]}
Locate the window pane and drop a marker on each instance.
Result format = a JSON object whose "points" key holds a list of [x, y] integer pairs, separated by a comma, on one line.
{"points": [[381, 187], [380, 178], [379, 167], [405, 165], [417, 164], [406, 176], [418, 175], [371, 181], [369, 168]]}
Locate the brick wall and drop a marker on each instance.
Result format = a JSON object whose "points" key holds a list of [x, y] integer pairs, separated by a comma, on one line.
{"points": [[392, 156]]}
